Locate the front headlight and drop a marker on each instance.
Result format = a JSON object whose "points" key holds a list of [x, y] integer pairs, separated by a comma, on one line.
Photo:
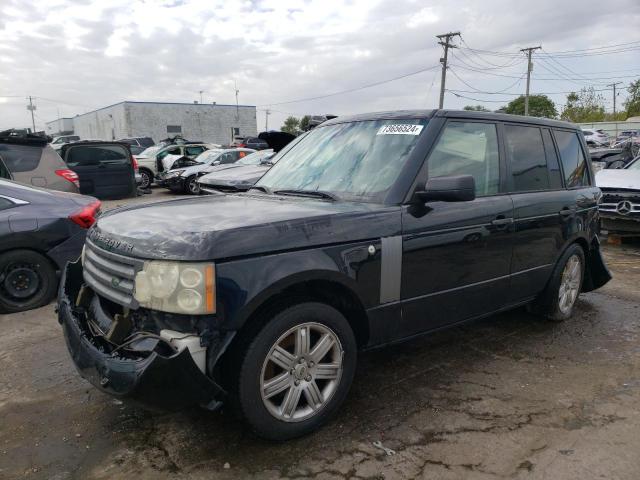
{"points": [[175, 173], [176, 287]]}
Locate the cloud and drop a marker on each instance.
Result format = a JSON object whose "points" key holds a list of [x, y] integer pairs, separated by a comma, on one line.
{"points": [[77, 55]]}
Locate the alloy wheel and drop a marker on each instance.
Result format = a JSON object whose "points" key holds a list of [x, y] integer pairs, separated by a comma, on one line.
{"points": [[301, 372], [570, 284]]}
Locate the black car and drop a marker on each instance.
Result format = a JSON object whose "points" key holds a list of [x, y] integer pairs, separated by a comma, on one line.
{"points": [[369, 230], [105, 170], [255, 143], [40, 230], [144, 142]]}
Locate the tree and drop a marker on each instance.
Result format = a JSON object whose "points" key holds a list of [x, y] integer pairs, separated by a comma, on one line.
{"points": [[585, 106], [633, 101], [476, 108], [304, 123], [291, 125], [539, 106]]}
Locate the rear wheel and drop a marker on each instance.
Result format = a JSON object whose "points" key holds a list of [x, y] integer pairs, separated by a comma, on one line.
{"points": [[558, 299], [27, 280], [146, 178], [296, 371], [191, 185]]}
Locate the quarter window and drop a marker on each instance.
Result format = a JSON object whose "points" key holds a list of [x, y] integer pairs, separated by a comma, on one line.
{"points": [[468, 148], [528, 161], [20, 158], [574, 164]]}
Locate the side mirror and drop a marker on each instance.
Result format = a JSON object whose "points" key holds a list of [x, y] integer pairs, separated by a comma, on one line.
{"points": [[455, 188], [217, 162]]}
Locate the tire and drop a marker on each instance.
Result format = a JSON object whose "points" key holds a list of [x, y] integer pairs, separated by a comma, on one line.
{"points": [[304, 376], [147, 178], [27, 280], [552, 302], [191, 185]]}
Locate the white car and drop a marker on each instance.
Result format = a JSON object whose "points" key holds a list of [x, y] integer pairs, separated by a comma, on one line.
{"points": [[150, 160], [620, 205], [58, 142], [185, 179], [595, 137]]}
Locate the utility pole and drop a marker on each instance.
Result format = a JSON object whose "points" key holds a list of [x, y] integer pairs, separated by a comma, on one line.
{"points": [[267, 112], [201, 92], [237, 92], [529, 51], [32, 108], [445, 42], [614, 96]]}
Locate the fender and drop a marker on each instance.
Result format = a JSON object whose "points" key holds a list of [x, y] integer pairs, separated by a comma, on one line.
{"points": [[243, 285]]}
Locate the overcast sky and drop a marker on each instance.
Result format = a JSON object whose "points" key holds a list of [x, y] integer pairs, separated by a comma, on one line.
{"points": [[75, 56]]}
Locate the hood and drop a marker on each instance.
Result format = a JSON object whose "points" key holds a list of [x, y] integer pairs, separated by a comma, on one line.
{"points": [[219, 168], [225, 226], [241, 174], [618, 178]]}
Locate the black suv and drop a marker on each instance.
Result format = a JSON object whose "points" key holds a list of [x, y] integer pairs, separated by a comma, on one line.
{"points": [[368, 230]]}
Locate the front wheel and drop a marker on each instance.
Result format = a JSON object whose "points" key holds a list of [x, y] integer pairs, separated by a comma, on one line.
{"points": [[558, 299], [146, 178], [296, 371], [192, 186]]}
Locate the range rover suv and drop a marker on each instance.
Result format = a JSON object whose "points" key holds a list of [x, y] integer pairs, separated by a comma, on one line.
{"points": [[368, 230]]}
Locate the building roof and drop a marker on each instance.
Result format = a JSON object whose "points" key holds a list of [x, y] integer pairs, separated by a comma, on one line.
{"points": [[167, 103]]}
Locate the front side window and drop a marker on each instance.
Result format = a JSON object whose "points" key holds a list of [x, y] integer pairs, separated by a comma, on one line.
{"points": [[355, 160], [468, 148], [525, 151], [193, 151], [574, 164]]}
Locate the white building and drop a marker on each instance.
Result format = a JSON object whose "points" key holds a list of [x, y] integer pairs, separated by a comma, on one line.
{"points": [[204, 122], [60, 126]]}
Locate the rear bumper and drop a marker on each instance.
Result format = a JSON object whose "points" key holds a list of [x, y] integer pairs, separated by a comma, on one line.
{"points": [[69, 250], [155, 382]]}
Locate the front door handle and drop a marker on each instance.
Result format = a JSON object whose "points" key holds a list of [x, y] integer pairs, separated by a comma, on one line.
{"points": [[501, 221]]}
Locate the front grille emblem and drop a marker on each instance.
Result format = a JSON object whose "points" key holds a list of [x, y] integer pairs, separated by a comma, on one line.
{"points": [[115, 282], [624, 207]]}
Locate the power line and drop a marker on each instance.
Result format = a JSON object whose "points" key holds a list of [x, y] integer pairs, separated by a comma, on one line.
{"points": [[519, 94], [445, 41], [477, 99], [542, 78], [496, 92], [375, 84]]}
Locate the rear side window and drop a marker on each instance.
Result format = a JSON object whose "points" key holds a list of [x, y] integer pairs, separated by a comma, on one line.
{"points": [[20, 158], [4, 203], [528, 161], [468, 148], [553, 164], [95, 155], [573, 160]]}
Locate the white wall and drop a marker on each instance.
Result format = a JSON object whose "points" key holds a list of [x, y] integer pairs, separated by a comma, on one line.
{"points": [[108, 123], [60, 125]]}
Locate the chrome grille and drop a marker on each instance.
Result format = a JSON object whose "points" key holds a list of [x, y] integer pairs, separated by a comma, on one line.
{"points": [[612, 200], [111, 275]]}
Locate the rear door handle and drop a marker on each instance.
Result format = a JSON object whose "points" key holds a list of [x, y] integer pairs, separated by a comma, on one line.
{"points": [[499, 222]]}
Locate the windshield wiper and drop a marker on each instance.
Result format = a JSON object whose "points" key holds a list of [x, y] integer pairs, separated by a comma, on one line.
{"points": [[309, 193], [262, 188]]}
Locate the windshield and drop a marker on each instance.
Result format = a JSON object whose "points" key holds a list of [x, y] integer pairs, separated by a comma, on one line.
{"points": [[151, 151], [356, 160], [635, 165], [208, 155], [256, 158]]}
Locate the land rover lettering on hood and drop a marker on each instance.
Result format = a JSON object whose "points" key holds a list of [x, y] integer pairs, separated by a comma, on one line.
{"points": [[366, 231]]}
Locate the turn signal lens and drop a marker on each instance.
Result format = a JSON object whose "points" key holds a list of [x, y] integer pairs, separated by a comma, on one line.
{"points": [[87, 215], [209, 289]]}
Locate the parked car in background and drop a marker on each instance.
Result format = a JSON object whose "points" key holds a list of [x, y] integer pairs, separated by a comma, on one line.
{"points": [[145, 142], [185, 178], [150, 160], [239, 176], [595, 137], [370, 230], [277, 140], [31, 161], [254, 143], [105, 170], [57, 142], [136, 149], [620, 205], [612, 158], [40, 231], [626, 135]]}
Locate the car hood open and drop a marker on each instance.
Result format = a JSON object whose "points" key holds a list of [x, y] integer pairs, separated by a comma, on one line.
{"points": [[226, 226], [618, 178]]}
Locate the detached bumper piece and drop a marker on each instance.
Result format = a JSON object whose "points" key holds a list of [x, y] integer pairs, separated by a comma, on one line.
{"points": [[156, 382]]}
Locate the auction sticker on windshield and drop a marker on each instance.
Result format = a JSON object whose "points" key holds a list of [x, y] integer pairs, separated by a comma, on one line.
{"points": [[400, 129]]}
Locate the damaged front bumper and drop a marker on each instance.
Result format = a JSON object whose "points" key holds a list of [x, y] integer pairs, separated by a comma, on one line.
{"points": [[155, 381]]}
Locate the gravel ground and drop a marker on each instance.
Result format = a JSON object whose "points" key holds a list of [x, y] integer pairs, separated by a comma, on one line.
{"points": [[507, 397]]}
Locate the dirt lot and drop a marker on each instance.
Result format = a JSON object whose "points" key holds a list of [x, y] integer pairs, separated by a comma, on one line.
{"points": [[507, 397]]}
